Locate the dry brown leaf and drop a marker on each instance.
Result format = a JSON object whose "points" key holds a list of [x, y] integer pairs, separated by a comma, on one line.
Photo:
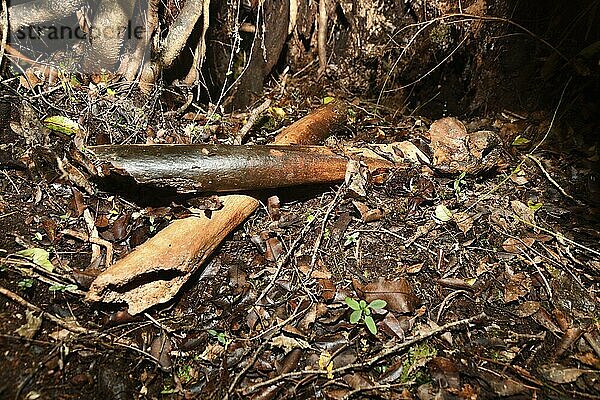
{"points": [[357, 178], [30, 327], [30, 79], [319, 272], [519, 178], [212, 352], [444, 371], [589, 359], [560, 374], [411, 152], [517, 286], [328, 289], [77, 203], [517, 246], [366, 214], [506, 387], [392, 326], [415, 268], [523, 211], [160, 349], [336, 394], [448, 141], [398, 294], [61, 335], [274, 249], [273, 208], [543, 318], [463, 220], [357, 381], [527, 308], [455, 150], [288, 343]]}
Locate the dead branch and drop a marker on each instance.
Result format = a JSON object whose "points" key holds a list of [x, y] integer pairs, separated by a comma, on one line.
{"points": [[321, 123], [200, 52], [477, 319], [155, 271], [224, 168]]}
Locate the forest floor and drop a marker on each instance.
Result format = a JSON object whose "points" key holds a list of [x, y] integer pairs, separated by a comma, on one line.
{"points": [[490, 278]]}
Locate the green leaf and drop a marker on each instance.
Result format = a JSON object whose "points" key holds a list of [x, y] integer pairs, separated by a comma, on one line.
{"points": [[25, 283], [371, 325], [520, 141], [351, 239], [353, 304], [328, 99], [355, 316], [221, 338], [278, 112], [367, 311], [37, 256], [442, 213], [62, 124], [533, 206], [362, 304], [377, 304]]}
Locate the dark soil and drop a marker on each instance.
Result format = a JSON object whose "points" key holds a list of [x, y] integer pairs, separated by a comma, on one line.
{"points": [[527, 294]]}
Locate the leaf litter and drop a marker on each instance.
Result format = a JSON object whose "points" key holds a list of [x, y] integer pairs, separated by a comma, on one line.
{"points": [[437, 270]]}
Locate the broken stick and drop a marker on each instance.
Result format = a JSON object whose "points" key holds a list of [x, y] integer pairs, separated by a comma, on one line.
{"points": [[155, 271], [224, 168]]}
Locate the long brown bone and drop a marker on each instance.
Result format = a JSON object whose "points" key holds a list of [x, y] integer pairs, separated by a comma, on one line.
{"points": [[155, 271], [224, 168]]}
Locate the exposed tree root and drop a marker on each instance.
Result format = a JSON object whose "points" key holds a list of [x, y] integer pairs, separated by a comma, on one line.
{"points": [[180, 31], [41, 11]]}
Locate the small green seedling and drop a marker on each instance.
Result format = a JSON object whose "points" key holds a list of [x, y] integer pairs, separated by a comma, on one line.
{"points": [[361, 311], [458, 182], [25, 284], [220, 336], [185, 373], [352, 238]]}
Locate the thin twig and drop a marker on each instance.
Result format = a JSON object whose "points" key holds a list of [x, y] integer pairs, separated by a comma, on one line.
{"points": [[254, 114], [72, 327], [465, 18], [334, 203], [407, 343], [245, 369], [99, 241], [552, 181], [558, 236], [281, 263]]}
